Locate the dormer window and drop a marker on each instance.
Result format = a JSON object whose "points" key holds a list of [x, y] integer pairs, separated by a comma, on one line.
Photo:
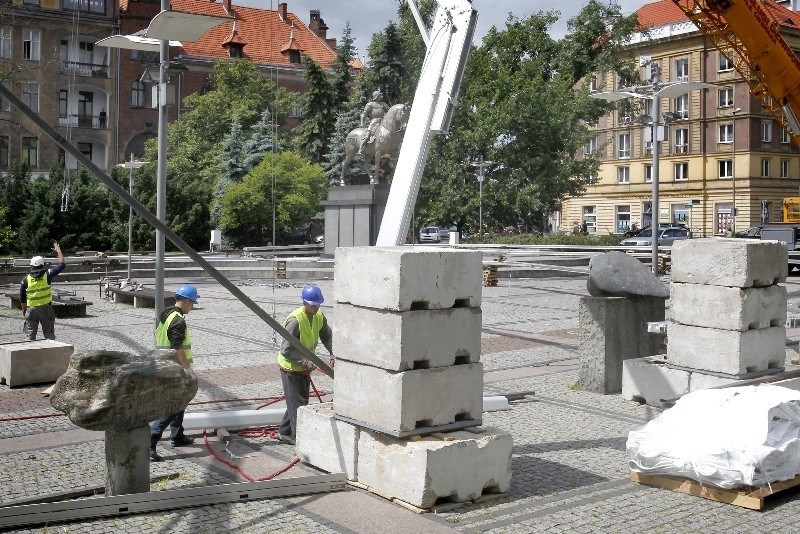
{"points": [[294, 56], [236, 50]]}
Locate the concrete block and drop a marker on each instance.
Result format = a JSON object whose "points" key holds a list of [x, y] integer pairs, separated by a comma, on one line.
{"points": [[699, 380], [33, 362], [728, 308], [408, 278], [650, 380], [326, 443], [726, 351], [614, 329], [729, 262], [422, 472], [399, 341], [403, 401]]}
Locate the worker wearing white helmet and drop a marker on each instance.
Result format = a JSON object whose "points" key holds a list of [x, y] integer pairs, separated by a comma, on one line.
{"points": [[36, 296]]}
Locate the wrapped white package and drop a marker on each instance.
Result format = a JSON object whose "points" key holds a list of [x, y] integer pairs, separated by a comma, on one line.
{"points": [[730, 437]]}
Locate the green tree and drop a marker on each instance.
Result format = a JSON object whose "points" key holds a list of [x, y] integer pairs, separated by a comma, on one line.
{"points": [[346, 120], [231, 166], [262, 141], [298, 187], [386, 70], [6, 233], [341, 76], [319, 112]]}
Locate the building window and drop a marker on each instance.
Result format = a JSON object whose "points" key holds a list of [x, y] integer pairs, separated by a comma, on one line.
{"points": [[726, 133], [593, 83], [681, 171], [295, 111], [724, 63], [91, 6], [591, 147], [725, 96], [294, 56], [765, 167], [682, 140], [784, 168], [682, 70], [63, 99], [236, 50], [623, 219], [5, 105], [30, 44], [682, 106], [784, 136], [766, 131], [85, 149], [30, 151], [648, 172], [590, 219], [624, 146], [623, 174], [725, 168], [3, 152], [138, 94], [30, 95], [5, 41]]}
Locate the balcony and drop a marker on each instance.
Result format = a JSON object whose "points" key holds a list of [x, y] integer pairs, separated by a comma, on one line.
{"points": [[94, 122], [89, 70]]}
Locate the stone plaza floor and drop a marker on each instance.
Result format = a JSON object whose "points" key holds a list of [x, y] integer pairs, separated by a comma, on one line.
{"points": [[570, 472]]}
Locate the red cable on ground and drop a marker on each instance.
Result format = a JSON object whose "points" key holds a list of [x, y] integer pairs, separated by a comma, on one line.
{"points": [[238, 469], [24, 417]]}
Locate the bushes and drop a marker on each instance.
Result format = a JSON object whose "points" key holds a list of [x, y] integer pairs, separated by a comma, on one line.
{"points": [[549, 239]]}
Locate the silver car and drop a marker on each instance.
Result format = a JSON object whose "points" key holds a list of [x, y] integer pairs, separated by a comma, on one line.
{"points": [[666, 236], [430, 234]]}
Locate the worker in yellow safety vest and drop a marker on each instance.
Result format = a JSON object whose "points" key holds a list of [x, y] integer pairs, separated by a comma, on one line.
{"points": [[308, 324], [172, 333], [36, 296]]}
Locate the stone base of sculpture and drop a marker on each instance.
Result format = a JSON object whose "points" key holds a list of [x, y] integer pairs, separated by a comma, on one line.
{"points": [[353, 215]]}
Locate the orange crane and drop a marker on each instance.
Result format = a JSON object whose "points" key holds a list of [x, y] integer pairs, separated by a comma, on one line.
{"points": [[747, 32]]}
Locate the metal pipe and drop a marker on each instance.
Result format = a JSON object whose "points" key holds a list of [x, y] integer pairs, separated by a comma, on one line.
{"points": [[161, 173], [159, 225], [654, 207]]}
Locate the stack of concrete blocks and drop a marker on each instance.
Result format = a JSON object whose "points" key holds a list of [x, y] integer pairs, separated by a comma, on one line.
{"points": [[726, 322], [408, 386], [33, 362]]}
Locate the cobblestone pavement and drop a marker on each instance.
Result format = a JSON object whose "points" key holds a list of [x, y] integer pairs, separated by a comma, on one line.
{"points": [[569, 468]]}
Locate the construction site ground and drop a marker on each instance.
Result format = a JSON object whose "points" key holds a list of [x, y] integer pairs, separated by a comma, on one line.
{"points": [[570, 472]]}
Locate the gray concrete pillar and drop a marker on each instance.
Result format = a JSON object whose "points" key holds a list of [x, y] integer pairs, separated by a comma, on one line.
{"points": [[128, 461], [614, 329]]}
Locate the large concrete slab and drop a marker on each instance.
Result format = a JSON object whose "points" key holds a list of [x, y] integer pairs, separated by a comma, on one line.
{"points": [[650, 381], [614, 329], [729, 262], [726, 351], [325, 442], [33, 362], [728, 308], [399, 341], [408, 278], [431, 469], [403, 401]]}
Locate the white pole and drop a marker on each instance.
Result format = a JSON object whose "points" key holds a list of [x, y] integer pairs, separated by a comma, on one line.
{"points": [[161, 175], [654, 207]]}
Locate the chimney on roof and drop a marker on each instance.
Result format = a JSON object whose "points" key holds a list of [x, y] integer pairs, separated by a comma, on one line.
{"points": [[331, 43], [317, 25], [283, 9]]}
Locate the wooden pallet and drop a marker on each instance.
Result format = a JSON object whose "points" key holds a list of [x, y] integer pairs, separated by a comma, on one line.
{"points": [[752, 498], [490, 276]]}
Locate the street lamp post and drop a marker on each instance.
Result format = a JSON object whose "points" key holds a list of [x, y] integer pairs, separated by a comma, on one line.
{"points": [[480, 165], [655, 91], [132, 164]]}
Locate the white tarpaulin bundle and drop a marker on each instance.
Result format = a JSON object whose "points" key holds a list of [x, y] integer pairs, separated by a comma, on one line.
{"points": [[728, 437]]}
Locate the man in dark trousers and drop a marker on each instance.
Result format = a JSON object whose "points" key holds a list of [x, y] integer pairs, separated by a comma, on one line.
{"points": [[308, 324], [172, 333], [36, 296]]}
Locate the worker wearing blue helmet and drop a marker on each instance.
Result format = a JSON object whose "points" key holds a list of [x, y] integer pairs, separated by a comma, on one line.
{"points": [[308, 324], [172, 333]]}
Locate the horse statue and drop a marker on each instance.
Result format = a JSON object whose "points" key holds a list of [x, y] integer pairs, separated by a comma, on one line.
{"points": [[384, 143]]}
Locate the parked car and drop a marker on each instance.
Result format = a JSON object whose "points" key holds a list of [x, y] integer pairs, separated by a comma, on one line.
{"points": [[430, 234], [666, 236], [299, 236]]}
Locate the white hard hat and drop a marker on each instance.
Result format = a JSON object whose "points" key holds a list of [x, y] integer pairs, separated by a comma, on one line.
{"points": [[37, 261]]}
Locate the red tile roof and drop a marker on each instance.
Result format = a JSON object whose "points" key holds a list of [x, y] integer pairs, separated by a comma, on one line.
{"points": [[666, 12], [261, 31]]}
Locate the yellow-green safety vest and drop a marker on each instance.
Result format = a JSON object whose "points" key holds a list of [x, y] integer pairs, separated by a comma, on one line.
{"points": [[162, 339], [39, 292], [309, 336]]}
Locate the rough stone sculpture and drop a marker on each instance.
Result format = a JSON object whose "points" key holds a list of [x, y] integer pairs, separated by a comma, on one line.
{"points": [[120, 393], [616, 274]]}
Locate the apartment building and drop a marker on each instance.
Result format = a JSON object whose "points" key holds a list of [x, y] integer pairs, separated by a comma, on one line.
{"points": [[722, 151]]}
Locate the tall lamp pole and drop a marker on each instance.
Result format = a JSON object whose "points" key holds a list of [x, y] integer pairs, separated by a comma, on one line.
{"points": [[481, 165], [132, 165], [654, 91]]}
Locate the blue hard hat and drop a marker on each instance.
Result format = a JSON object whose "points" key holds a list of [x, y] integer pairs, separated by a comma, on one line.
{"points": [[312, 295], [188, 292]]}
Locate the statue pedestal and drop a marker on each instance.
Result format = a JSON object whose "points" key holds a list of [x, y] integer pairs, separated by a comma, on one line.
{"points": [[353, 215], [128, 461]]}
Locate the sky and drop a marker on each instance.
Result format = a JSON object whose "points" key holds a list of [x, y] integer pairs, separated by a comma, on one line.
{"points": [[367, 17]]}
